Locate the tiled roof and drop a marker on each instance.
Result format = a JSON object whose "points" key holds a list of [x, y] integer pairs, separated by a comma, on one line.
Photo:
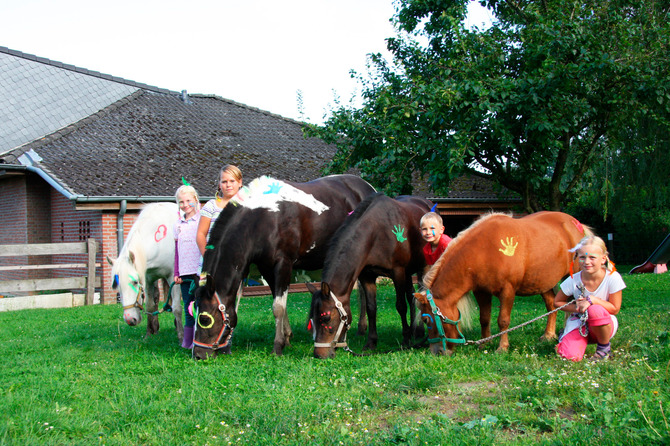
{"points": [[470, 187], [125, 139], [96, 135], [39, 96], [145, 143]]}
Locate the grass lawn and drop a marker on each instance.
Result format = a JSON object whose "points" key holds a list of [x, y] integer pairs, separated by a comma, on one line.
{"points": [[82, 376]]}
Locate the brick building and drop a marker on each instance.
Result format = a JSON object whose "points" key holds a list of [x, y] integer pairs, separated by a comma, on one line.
{"points": [[81, 152]]}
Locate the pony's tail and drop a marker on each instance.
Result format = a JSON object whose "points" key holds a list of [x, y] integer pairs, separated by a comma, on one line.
{"points": [[467, 307]]}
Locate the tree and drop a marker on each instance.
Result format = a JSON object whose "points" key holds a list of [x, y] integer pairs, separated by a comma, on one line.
{"points": [[533, 102], [629, 189]]}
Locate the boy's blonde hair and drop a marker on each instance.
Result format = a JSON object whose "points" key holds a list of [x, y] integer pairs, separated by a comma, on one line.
{"points": [[434, 216], [600, 243], [186, 190]]}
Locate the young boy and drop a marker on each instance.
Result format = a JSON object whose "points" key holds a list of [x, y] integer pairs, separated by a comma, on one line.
{"points": [[432, 231]]}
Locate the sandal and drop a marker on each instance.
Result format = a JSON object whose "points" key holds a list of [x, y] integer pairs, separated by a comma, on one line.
{"points": [[600, 355]]}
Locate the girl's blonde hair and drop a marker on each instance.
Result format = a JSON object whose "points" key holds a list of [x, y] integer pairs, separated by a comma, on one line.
{"points": [[597, 241], [187, 190]]}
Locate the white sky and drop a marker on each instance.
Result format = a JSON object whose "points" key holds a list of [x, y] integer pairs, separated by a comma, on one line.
{"points": [[257, 52]]}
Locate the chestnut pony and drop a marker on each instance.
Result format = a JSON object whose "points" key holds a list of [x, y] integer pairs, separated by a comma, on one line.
{"points": [[381, 238], [502, 256], [278, 226]]}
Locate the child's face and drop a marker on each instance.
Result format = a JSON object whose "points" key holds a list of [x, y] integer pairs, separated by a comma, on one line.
{"points": [[431, 231], [591, 258], [187, 204], [228, 185]]}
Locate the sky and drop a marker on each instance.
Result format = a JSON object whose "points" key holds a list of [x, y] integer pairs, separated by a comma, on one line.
{"points": [[262, 53]]}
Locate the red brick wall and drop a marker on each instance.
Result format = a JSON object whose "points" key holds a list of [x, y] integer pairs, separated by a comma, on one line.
{"points": [[69, 225], [13, 227], [37, 213], [109, 247]]}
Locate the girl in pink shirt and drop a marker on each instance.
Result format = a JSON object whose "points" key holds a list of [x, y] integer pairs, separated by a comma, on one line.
{"points": [[187, 254]]}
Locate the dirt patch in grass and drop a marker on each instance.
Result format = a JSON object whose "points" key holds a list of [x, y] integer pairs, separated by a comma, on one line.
{"points": [[460, 402]]}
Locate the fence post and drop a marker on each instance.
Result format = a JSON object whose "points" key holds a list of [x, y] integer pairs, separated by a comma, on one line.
{"points": [[90, 279]]}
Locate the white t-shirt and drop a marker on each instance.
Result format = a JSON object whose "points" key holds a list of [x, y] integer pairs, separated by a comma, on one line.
{"points": [[610, 285], [211, 211]]}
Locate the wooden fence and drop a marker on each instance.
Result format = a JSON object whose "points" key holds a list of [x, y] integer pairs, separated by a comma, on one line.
{"points": [[88, 282], [264, 290]]}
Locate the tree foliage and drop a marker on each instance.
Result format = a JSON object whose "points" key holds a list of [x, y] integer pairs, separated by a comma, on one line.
{"points": [[630, 192], [532, 102]]}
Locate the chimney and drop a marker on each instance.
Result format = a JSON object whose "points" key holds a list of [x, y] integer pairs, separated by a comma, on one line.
{"points": [[184, 97]]}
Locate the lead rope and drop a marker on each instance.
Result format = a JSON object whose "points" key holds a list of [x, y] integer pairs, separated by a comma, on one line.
{"points": [[481, 341], [168, 299], [583, 317]]}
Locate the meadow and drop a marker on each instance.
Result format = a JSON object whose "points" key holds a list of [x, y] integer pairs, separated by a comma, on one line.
{"points": [[81, 376]]}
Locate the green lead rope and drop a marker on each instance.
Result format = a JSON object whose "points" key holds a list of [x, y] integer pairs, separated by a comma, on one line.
{"points": [[167, 308]]}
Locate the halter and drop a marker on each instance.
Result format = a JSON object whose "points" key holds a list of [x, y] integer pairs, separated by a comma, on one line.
{"points": [[140, 295], [344, 319], [217, 345], [440, 329]]}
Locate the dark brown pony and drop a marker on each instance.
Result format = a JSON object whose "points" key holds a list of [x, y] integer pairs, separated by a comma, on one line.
{"points": [[278, 226], [381, 238], [502, 256]]}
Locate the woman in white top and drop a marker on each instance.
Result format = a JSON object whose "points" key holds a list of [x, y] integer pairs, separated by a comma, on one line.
{"points": [[229, 183], [598, 289]]}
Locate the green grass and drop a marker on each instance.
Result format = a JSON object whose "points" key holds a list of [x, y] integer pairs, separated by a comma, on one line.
{"points": [[82, 376]]}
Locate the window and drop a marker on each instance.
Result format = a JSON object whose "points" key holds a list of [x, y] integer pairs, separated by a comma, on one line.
{"points": [[84, 230]]}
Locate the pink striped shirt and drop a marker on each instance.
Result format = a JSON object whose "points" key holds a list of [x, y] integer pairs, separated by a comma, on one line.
{"points": [[187, 254]]}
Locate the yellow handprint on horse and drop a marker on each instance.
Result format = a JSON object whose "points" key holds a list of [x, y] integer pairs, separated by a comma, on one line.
{"points": [[508, 246]]}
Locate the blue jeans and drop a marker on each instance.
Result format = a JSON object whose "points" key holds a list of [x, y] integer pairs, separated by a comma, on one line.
{"points": [[188, 286]]}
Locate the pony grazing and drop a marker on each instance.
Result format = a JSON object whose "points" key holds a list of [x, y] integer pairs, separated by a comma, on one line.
{"points": [[502, 256], [146, 257], [382, 238], [278, 226]]}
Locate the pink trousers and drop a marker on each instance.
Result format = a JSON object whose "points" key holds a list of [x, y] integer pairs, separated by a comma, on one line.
{"points": [[572, 345]]}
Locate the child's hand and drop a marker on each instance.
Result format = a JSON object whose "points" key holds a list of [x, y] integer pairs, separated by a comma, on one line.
{"points": [[177, 280], [582, 304]]}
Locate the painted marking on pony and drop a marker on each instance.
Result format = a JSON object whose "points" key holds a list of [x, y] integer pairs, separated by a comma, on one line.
{"points": [[273, 188], [399, 232], [134, 280], [266, 192], [509, 249], [160, 233]]}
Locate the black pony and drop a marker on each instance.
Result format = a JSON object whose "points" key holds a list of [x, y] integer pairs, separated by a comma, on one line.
{"points": [[382, 238], [277, 226]]}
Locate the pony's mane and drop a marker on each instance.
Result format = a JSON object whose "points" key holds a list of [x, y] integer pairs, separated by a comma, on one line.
{"points": [[218, 230], [429, 278], [221, 223], [344, 230]]}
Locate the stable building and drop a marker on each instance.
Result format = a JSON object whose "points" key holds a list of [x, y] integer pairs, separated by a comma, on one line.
{"points": [[81, 152]]}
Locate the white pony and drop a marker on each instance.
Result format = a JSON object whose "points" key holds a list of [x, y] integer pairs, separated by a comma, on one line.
{"points": [[146, 257]]}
